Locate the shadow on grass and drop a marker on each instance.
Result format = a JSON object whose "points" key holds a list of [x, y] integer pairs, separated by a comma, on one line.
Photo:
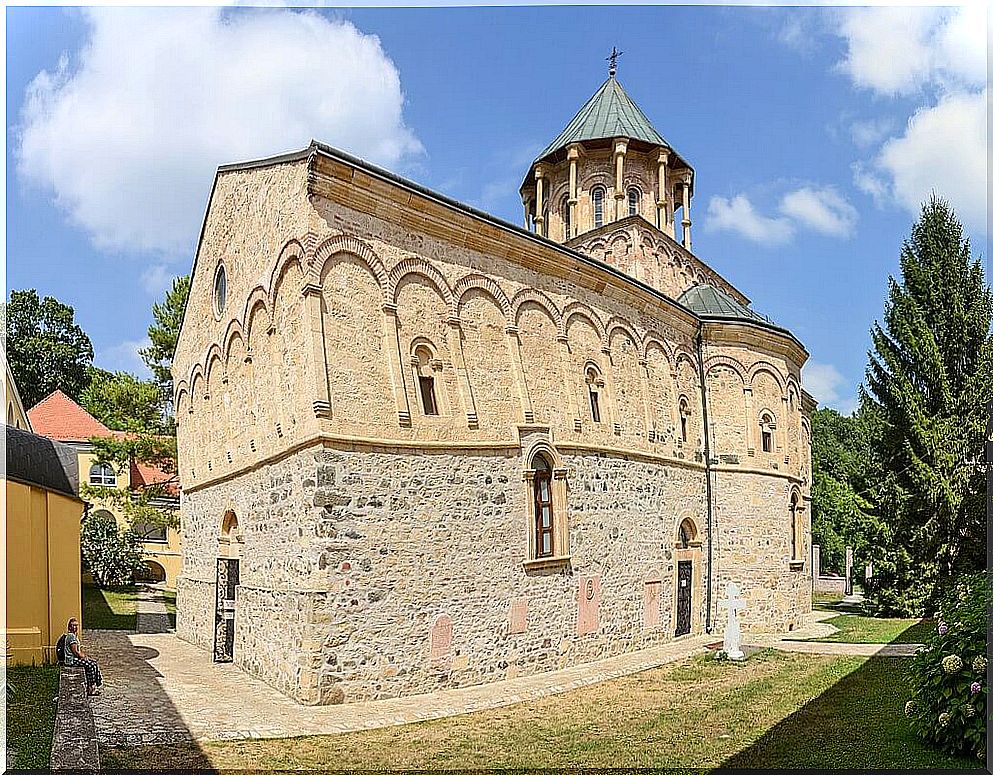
{"points": [[858, 723], [97, 613]]}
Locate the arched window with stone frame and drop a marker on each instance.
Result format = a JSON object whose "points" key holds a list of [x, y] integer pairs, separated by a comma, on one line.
{"points": [[428, 383], [634, 200], [796, 529], [598, 194], [594, 390], [566, 218], [684, 419], [548, 533], [767, 430]]}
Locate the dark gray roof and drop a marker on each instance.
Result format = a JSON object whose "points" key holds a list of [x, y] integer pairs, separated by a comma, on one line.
{"points": [[708, 301], [610, 112], [34, 459]]}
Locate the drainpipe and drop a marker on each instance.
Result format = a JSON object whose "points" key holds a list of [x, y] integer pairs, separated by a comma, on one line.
{"points": [[706, 459]]}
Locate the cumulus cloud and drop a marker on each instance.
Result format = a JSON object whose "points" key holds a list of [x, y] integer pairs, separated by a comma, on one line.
{"points": [[825, 383], [824, 210], [738, 215], [869, 132], [157, 279], [127, 134], [124, 357], [898, 51], [943, 151]]}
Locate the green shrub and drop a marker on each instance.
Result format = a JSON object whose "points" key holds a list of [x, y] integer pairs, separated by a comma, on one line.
{"points": [[949, 688], [112, 555]]}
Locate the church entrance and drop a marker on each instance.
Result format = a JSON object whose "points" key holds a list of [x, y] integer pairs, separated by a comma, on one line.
{"points": [[684, 596], [227, 580], [686, 581], [229, 545]]}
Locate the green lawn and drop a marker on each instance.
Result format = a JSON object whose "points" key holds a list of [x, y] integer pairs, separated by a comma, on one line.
{"points": [[31, 714], [853, 628], [775, 710], [109, 609], [169, 598]]}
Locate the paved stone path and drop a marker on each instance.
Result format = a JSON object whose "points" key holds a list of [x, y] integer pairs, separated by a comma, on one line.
{"points": [[158, 688], [152, 613]]}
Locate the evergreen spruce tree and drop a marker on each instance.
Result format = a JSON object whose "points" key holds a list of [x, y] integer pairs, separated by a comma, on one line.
{"points": [[928, 384]]}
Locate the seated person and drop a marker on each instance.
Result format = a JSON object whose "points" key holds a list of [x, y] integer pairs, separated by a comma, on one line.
{"points": [[74, 657]]}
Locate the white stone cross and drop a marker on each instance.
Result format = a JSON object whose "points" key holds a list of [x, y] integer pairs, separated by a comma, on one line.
{"points": [[732, 633]]}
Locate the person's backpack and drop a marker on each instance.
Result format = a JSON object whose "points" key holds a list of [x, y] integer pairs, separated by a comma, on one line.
{"points": [[60, 650]]}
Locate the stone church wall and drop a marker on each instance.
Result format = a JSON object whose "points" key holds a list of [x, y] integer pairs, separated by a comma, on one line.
{"points": [[385, 549]]}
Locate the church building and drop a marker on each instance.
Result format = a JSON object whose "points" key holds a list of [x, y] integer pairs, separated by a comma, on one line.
{"points": [[421, 447]]}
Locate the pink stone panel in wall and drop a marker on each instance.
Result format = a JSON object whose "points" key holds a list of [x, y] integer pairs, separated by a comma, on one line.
{"points": [[441, 642], [518, 616], [589, 605], [653, 599]]}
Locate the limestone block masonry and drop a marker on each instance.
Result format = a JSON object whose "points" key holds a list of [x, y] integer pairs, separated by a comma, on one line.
{"points": [[422, 448]]}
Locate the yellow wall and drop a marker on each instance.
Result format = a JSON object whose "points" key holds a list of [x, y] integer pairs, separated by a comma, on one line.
{"points": [[43, 586], [168, 555]]}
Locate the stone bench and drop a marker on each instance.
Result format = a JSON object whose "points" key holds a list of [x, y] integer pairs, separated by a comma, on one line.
{"points": [[74, 744]]}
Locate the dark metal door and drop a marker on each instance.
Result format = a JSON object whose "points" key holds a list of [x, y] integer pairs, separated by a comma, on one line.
{"points": [[227, 580], [684, 595]]}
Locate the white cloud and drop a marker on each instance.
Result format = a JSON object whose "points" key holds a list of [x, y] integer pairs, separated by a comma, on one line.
{"points": [[127, 135], [942, 150], [157, 279], [124, 357], [824, 210], [870, 131], [898, 51], [739, 216], [824, 382]]}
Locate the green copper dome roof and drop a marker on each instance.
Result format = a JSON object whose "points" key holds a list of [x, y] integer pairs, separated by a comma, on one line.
{"points": [[708, 301], [608, 113]]}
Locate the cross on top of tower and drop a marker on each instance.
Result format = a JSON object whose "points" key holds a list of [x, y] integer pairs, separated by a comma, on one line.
{"points": [[613, 60]]}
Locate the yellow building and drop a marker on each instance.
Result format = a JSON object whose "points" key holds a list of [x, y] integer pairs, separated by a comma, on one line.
{"points": [[15, 414], [41, 522], [60, 418]]}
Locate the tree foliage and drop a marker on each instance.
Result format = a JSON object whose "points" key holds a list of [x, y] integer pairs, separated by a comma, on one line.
{"points": [[46, 349], [841, 514], [123, 402], [164, 333], [112, 555], [928, 383]]}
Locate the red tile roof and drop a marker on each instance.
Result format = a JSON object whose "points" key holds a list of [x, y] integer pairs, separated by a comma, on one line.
{"points": [[60, 418]]}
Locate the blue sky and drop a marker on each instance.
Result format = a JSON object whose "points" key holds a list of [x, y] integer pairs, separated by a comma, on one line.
{"points": [[815, 134]]}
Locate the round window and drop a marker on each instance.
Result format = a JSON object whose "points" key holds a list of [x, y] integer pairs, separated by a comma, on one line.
{"points": [[220, 290]]}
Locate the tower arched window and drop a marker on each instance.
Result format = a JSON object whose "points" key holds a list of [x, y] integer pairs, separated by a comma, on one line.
{"points": [[593, 384], [566, 220], [543, 509], [634, 201], [599, 193], [767, 427]]}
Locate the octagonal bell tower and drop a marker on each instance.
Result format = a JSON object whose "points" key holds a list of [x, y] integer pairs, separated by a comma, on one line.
{"points": [[610, 170]]}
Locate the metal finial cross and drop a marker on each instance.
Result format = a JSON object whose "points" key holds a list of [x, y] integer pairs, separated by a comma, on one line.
{"points": [[613, 60]]}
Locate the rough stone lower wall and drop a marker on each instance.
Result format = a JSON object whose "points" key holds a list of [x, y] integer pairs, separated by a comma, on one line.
{"points": [[351, 558]]}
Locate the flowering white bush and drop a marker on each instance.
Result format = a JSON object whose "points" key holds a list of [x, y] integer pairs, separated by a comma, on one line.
{"points": [[949, 692]]}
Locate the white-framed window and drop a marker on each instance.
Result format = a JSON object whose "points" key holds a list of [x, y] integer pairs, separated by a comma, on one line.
{"points": [[594, 385], [220, 290], [634, 201], [767, 431], [599, 193], [103, 475]]}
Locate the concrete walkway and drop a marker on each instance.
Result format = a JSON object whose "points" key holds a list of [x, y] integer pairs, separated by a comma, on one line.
{"points": [[152, 613], [159, 689]]}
